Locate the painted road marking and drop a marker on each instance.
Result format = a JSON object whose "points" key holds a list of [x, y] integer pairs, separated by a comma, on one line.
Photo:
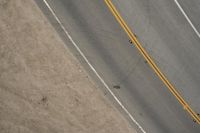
{"points": [[186, 16], [93, 69], [150, 61]]}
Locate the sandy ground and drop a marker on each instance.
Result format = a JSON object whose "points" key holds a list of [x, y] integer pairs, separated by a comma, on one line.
{"points": [[43, 88]]}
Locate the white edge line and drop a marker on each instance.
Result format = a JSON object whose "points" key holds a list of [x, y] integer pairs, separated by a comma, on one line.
{"points": [[93, 69], [186, 16]]}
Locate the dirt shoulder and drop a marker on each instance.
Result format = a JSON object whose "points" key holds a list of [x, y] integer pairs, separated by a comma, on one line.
{"points": [[43, 88]]}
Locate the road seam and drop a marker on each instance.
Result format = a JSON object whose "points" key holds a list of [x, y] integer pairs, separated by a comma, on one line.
{"points": [[186, 16], [150, 61], [93, 69]]}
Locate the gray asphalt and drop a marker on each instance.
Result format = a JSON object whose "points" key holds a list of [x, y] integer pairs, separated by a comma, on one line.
{"points": [[166, 35], [192, 9]]}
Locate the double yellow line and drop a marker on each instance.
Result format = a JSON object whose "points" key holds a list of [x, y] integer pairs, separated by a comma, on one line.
{"points": [[151, 62]]}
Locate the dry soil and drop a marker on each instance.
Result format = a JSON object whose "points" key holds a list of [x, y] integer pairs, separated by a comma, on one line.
{"points": [[43, 87]]}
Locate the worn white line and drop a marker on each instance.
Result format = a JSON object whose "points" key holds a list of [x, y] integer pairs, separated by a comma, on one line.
{"points": [[93, 69], [186, 16]]}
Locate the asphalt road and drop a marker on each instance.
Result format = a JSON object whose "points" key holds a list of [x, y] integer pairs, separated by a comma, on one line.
{"points": [[192, 9], [166, 35]]}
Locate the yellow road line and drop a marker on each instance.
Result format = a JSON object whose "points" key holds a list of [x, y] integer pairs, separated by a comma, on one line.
{"points": [[151, 62]]}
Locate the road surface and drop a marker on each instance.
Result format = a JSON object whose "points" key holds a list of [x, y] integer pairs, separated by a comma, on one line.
{"points": [[164, 32]]}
